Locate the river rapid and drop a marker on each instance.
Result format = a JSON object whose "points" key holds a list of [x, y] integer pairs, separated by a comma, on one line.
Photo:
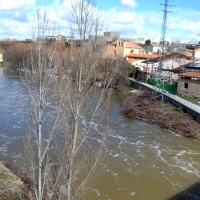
{"points": [[143, 161]]}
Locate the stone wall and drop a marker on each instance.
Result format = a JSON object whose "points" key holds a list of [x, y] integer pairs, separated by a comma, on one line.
{"points": [[190, 88]]}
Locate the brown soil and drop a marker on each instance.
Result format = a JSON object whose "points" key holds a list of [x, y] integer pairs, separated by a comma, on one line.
{"points": [[144, 107]]}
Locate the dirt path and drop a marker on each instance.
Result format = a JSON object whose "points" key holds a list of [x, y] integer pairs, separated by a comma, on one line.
{"points": [[144, 107]]}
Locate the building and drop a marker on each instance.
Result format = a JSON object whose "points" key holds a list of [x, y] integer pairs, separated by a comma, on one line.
{"points": [[56, 38], [189, 84], [112, 36], [130, 47], [139, 58], [140, 40], [196, 53], [122, 48], [156, 48], [171, 61], [115, 48], [1, 57]]}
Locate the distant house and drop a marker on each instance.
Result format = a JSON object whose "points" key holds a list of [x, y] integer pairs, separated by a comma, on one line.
{"points": [[156, 48], [171, 60], [153, 48], [140, 40], [137, 59], [189, 84], [132, 48], [122, 48], [56, 38], [115, 48], [112, 36], [196, 53]]}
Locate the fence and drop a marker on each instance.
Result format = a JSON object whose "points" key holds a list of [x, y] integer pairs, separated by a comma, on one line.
{"points": [[170, 88]]}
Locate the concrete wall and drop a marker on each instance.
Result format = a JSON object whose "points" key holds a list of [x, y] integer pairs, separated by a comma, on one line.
{"points": [[195, 115]]}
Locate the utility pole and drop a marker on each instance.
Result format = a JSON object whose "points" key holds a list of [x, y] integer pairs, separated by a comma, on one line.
{"points": [[162, 40]]}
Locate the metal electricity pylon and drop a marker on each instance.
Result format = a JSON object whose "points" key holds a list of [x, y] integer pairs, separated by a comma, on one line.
{"points": [[162, 40], [163, 34]]}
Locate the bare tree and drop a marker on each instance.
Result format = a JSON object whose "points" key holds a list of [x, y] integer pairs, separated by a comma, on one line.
{"points": [[84, 103], [67, 111], [41, 67]]}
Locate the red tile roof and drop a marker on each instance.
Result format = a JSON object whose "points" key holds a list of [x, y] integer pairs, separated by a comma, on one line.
{"points": [[132, 45], [144, 56], [131, 60], [191, 74], [114, 43], [170, 56]]}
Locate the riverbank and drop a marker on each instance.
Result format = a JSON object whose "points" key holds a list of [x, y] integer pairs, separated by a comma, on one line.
{"points": [[141, 105], [11, 187]]}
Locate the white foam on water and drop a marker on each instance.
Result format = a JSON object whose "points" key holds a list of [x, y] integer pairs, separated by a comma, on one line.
{"points": [[114, 153], [132, 193]]}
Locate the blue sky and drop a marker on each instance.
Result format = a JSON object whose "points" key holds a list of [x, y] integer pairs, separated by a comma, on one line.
{"points": [[132, 18]]}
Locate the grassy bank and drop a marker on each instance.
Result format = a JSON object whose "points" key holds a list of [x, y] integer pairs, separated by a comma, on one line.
{"points": [[191, 99], [11, 187]]}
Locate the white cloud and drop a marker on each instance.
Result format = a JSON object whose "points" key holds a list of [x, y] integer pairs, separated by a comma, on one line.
{"points": [[16, 18], [129, 4], [16, 4]]}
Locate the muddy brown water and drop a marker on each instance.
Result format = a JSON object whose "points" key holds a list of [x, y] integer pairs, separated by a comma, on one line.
{"points": [[143, 161]]}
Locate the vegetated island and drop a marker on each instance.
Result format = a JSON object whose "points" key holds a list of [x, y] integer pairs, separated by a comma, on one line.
{"points": [[144, 106]]}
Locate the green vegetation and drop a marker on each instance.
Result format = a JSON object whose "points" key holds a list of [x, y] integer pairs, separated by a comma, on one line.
{"points": [[133, 71], [148, 42], [193, 100]]}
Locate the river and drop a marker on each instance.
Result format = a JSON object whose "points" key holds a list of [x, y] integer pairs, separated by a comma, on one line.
{"points": [[143, 161]]}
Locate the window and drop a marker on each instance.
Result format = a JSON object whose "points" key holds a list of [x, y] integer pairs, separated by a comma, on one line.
{"points": [[132, 51], [186, 85]]}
